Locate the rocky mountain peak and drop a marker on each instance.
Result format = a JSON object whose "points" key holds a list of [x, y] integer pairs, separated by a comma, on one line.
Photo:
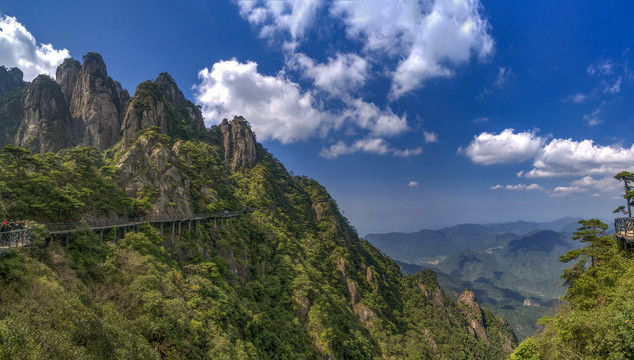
{"points": [[161, 103], [10, 79], [239, 143], [470, 308], [47, 124], [96, 102], [66, 76]]}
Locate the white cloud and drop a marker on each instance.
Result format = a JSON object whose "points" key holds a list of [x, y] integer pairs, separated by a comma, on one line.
{"points": [[432, 36], [430, 137], [275, 106], [342, 74], [518, 187], [567, 190], [412, 183], [559, 157], [370, 145], [614, 87], [480, 120], [291, 17], [504, 74], [586, 183], [369, 116], [18, 48], [604, 67], [566, 157], [577, 98], [408, 152], [504, 148], [593, 118]]}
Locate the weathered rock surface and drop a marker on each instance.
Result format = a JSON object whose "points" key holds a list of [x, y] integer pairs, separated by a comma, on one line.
{"points": [[149, 164], [66, 76], [47, 124], [160, 103], [470, 308], [239, 143], [12, 89], [95, 101]]}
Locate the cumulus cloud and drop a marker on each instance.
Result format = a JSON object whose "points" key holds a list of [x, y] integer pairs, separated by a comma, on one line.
{"points": [[275, 106], [430, 136], [412, 183], [342, 74], [369, 116], [557, 157], [279, 109], [370, 145], [282, 16], [518, 187], [503, 148], [18, 48], [566, 157]]}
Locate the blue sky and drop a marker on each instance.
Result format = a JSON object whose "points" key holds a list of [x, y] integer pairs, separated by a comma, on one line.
{"points": [[411, 114]]}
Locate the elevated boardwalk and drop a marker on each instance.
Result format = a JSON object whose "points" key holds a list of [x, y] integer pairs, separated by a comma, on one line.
{"points": [[624, 229], [18, 238]]}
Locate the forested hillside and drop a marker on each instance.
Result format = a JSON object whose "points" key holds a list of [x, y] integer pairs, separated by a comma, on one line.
{"points": [[289, 280], [595, 320]]}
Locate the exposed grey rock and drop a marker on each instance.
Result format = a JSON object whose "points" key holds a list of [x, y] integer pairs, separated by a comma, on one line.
{"points": [[239, 143], [148, 162], [471, 310], [12, 89], [66, 76], [160, 103], [95, 101], [47, 124]]}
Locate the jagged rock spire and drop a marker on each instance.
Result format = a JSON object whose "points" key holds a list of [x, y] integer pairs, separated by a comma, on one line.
{"points": [[239, 143]]}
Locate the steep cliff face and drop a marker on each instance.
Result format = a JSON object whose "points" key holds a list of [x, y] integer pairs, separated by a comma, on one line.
{"points": [[148, 168], [160, 103], [471, 310], [96, 102], [47, 124], [12, 89], [239, 143], [66, 76]]}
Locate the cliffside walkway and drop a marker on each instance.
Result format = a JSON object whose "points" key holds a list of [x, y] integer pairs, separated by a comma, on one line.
{"points": [[624, 231], [18, 238]]}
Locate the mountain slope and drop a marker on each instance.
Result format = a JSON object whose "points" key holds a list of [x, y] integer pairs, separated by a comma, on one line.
{"points": [[288, 280]]}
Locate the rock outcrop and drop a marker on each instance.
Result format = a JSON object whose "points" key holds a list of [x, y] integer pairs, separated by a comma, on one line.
{"points": [[12, 89], [149, 166], [470, 308], [96, 102], [239, 143], [160, 103], [66, 76], [47, 124]]}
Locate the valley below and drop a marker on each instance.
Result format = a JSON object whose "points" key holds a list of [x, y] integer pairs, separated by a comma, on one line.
{"points": [[513, 268]]}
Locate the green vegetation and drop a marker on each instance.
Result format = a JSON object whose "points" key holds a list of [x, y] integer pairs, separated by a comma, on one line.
{"points": [[291, 280], [595, 322]]}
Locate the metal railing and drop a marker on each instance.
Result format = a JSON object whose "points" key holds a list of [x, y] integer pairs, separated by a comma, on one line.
{"points": [[15, 238], [123, 222], [624, 227]]}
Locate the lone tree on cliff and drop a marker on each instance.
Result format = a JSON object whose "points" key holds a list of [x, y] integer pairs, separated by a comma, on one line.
{"points": [[628, 180]]}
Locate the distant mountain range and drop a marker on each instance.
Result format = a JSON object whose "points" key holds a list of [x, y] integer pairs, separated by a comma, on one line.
{"points": [[512, 267]]}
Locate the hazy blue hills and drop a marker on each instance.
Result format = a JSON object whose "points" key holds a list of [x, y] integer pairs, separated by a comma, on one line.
{"points": [[512, 267]]}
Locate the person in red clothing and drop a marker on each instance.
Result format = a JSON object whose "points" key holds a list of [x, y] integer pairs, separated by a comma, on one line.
{"points": [[4, 226]]}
